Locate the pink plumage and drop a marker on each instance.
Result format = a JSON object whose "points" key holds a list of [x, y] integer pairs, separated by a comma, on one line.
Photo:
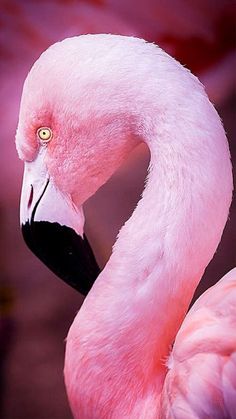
{"points": [[102, 95]]}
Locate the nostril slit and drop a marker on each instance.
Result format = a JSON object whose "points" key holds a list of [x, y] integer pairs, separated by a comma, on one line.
{"points": [[30, 197]]}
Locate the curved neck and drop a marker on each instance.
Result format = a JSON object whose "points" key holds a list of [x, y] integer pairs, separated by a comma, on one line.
{"points": [[130, 318]]}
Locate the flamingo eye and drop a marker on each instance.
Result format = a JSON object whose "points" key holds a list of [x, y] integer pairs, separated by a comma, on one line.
{"points": [[44, 135]]}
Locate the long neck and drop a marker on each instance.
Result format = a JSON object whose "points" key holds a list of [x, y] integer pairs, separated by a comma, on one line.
{"points": [[126, 326]]}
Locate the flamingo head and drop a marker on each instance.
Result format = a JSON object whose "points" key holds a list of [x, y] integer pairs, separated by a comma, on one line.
{"points": [[74, 131]]}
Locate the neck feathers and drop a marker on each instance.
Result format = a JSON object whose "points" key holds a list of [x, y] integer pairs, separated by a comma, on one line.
{"points": [[124, 331]]}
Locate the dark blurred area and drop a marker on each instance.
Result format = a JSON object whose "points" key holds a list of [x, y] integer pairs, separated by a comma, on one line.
{"points": [[36, 309]]}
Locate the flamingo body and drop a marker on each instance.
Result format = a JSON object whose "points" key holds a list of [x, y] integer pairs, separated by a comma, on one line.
{"points": [[101, 96], [202, 363]]}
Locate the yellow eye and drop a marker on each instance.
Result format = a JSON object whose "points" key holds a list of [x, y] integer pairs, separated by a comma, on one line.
{"points": [[44, 135]]}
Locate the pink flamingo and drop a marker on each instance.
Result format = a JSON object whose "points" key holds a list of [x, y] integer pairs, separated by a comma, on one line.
{"points": [[87, 103]]}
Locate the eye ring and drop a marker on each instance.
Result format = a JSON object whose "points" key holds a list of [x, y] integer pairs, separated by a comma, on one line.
{"points": [[44, 135]]}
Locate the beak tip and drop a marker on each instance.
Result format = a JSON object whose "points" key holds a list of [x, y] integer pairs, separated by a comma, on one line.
{"points": [[63, 251]]}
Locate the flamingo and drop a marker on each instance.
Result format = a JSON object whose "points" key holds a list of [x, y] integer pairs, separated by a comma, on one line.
{"points": [[132, 352]]}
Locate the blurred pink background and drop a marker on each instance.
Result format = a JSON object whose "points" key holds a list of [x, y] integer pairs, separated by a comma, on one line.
{"points": [[36, 308]]}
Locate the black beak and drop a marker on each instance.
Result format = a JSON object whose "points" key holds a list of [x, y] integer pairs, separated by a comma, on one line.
{"points": [[67, 254]]}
